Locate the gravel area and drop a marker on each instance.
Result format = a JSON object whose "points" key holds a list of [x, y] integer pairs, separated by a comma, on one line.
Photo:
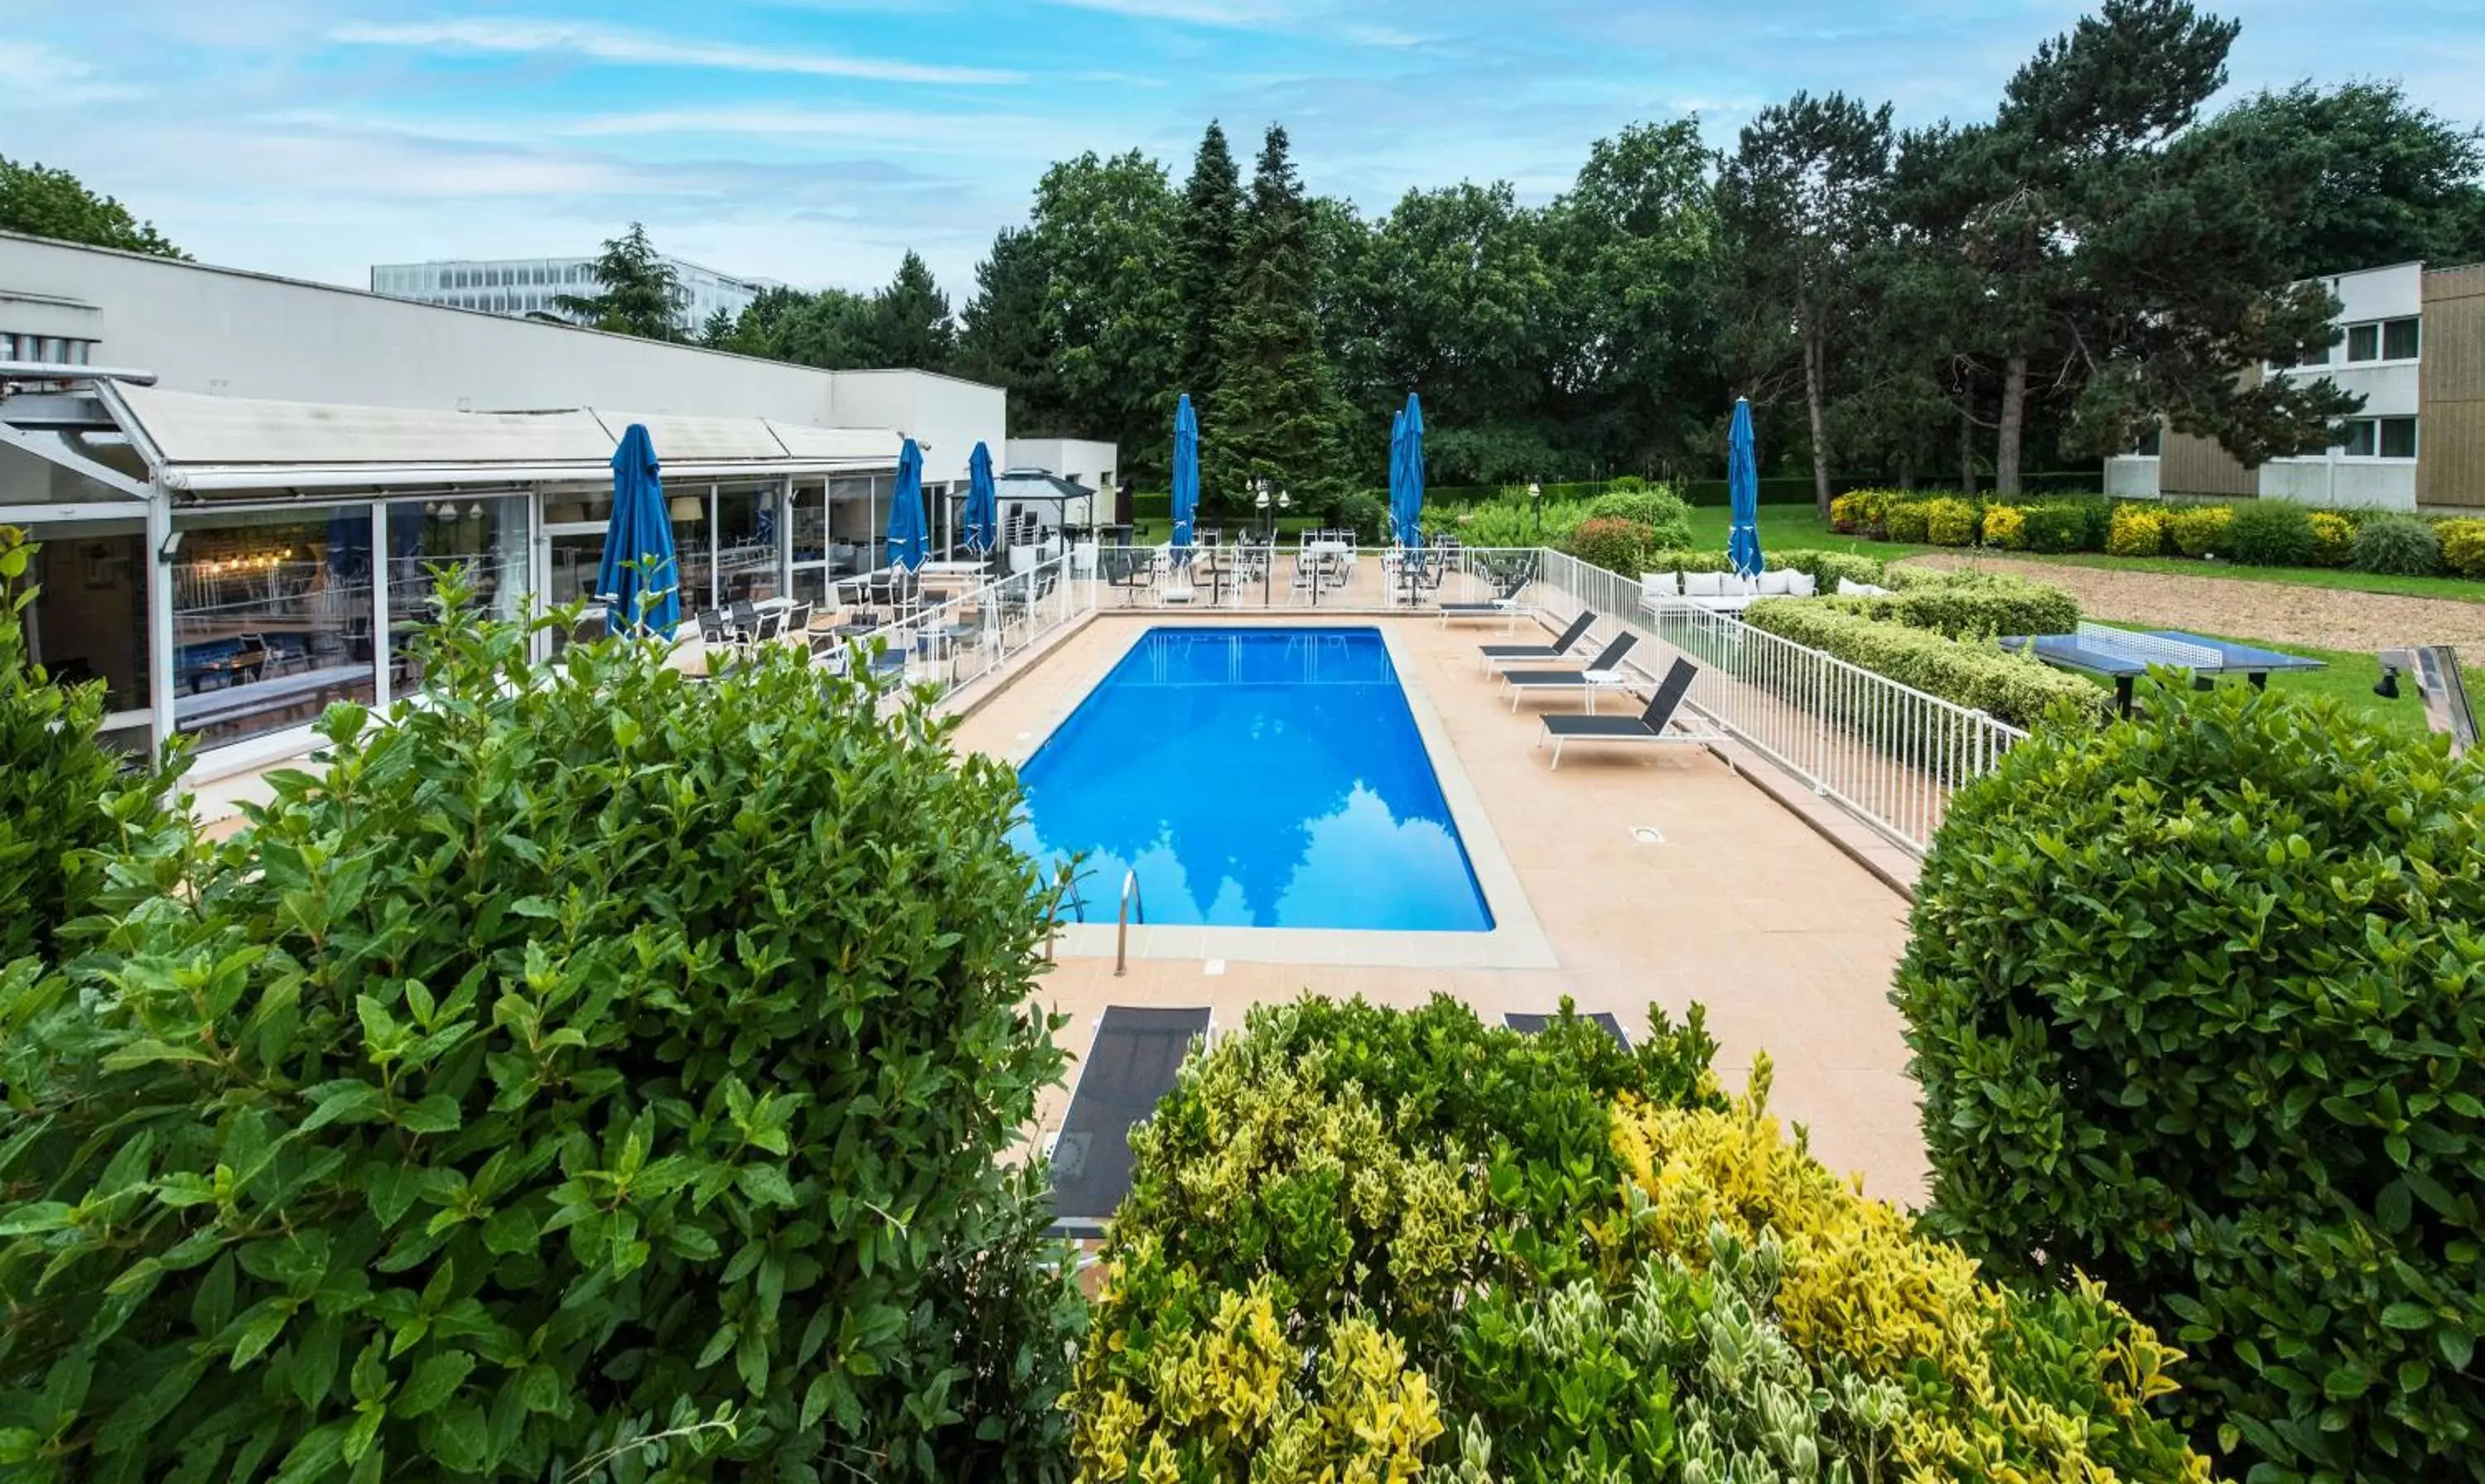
{"points": [[2278, 613]]}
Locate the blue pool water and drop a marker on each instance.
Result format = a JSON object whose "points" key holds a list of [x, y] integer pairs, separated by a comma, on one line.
{"points": [[1255, 778]]}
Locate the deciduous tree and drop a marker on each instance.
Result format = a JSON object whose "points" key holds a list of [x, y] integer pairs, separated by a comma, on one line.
{"points": [[46, 202]]}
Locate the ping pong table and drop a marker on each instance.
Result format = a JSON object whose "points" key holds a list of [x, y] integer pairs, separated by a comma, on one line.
{"points": [[2124, 654]]}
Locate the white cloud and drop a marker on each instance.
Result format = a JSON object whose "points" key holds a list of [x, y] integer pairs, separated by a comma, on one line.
{"points": [[1197, 13], [34, 74], [882, 129], [599, 44]]}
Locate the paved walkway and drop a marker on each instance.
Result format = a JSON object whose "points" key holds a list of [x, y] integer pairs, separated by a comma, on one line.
{"points": [[2280, 613], [1742, 906]]}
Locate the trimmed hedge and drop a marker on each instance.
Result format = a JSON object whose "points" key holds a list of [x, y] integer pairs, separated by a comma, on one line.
{"points": [[2197, 1002], [1952, 521], [1972, 604], [1827, 568], [2011, 688], [1363, 1245], [615, 1066], [2199, 531], [2006, 527], [2136, 532], [2333, 539], [2463, 547], [2270, 534]]}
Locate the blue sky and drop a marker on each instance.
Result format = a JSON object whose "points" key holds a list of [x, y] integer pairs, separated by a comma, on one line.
{"points": [[813, 141]]}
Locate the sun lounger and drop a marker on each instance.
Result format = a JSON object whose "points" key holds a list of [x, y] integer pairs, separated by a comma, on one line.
{"points": [[1526, 1024], [1661, 722], [1603, 673], [1503, 603], [1129, 1067], [1496, 655]]}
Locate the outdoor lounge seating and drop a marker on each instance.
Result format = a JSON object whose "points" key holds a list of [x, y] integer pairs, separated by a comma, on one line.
{"points": [[1128, 1070], [1602, 674], [1661, 722], [1526, 1023], [1720, 592], [1496, 655]]}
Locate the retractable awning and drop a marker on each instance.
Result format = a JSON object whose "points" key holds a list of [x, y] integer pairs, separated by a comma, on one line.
{"points": [[206, 445]]}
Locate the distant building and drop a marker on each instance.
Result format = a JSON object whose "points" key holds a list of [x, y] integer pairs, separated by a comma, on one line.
{"points": [[2412, 343], [529, 285]]}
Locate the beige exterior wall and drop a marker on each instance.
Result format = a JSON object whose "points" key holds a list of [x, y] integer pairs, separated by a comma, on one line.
{"points": [[2199, 466], [2450, 426]]}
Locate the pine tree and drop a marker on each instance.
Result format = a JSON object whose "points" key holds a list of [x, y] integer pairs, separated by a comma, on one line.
{"points": [[717, 333], [1001, 341], [642, 295], [1277, 404], [910, 326], [1205, 247]]}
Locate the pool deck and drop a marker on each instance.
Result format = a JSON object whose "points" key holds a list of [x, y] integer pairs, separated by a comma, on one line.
{"points": [[1742, 906]]}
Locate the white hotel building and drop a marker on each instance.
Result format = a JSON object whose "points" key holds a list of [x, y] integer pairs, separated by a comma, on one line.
{"points": [[531, 285], [239, 482]]}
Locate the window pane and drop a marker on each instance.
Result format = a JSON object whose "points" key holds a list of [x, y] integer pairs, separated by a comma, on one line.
{"points": [[88, 620], [2359, 437], [2147, 447], [688, 507], [2364, 341], [486, 534], [746, 541], [2398, 437], [271, 620], [2399, 340]]}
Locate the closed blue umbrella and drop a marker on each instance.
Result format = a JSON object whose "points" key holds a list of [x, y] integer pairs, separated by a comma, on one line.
{"points": [[908, 541], [1406, 504], [983, 502], [1398, 476], [1744, 492], [1185, 469], [639, 581]]}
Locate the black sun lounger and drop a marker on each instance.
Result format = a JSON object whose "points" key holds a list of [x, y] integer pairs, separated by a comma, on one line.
{"points": [[1504, 601], [1125, 1071], [1603, 673], [1529, 1024], [1661, 722], [1496, 655]]}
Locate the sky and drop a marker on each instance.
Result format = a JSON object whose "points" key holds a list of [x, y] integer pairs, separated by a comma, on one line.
{"points": [[814, 141]]}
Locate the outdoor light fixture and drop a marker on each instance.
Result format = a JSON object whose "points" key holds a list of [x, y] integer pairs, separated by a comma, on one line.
{"points": [[686, 509], [2387, 687], [172, 545]]}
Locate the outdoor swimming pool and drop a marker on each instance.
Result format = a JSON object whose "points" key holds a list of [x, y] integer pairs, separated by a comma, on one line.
{"points": [[1253, 779]]}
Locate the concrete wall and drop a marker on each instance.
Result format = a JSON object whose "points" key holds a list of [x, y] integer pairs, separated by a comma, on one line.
{"points": [[2131, 477], [233, 334], [2385, 484], [949, 414], [2450, 425]]}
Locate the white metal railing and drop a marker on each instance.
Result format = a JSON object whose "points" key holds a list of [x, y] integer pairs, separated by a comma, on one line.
{"points": [[954, 643], [1320, 570], [1888, 753]]}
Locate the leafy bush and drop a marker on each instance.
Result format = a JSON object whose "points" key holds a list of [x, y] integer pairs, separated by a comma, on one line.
{"points": [[2012, 687], [609, 1055], [62, 794], [1612, 543], [2397, 544], [1907, 520], [2137, 531], [1826, 568], [1855, 510], [1364, 512], [1667, 518], [2334, 538], [2270, 533], [2005, 527], [1363, 1242], [2199, 531], [2067, 525], [1972, 604], [1950, 522], [2463, 546], [2196, 1004]]}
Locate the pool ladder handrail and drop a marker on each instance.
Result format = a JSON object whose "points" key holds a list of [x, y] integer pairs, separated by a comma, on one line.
{"points": [[1122, 931]]}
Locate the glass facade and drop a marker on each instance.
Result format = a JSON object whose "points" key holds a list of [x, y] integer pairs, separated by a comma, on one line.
{"points": [[273, 619], [483, 534]]}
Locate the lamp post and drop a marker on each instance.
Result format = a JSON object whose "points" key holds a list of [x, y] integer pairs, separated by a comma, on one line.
{"points": [[1535, 506]]}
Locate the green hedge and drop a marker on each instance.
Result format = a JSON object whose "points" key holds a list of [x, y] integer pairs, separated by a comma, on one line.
{"points": [[2011, 688], [1828, 568], [570, 1062], [1367, 1245], [1975, 605], [2197, 1002]]}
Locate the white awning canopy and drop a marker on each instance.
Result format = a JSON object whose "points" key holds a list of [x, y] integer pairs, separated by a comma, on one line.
{"points": [[211, 445]]}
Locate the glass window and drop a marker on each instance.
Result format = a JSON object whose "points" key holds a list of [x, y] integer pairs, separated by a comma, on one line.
{"points": [[88, 620], [2148, 447], [2399, 340], [746, 543], [272, 619], [485, 534], [2398, 437], [2364, 342], [687, 505], [2358, 438]]}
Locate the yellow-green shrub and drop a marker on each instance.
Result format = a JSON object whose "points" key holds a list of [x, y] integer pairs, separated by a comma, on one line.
{"points": [[2463, 547], [2136, 532], [1907, 520], [1854, 510], [1949, 522], [2333, 539], [2005, 527], [2199, 531]]}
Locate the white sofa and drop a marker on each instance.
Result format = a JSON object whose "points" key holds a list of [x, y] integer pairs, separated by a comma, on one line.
{"points": [[1720, 592]]}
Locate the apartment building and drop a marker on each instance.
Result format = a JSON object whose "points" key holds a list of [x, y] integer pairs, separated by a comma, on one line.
{"points": [[2412, 343]]}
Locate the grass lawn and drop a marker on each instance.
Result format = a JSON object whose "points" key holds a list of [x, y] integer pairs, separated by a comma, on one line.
{"points": [[1798, 527]]}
